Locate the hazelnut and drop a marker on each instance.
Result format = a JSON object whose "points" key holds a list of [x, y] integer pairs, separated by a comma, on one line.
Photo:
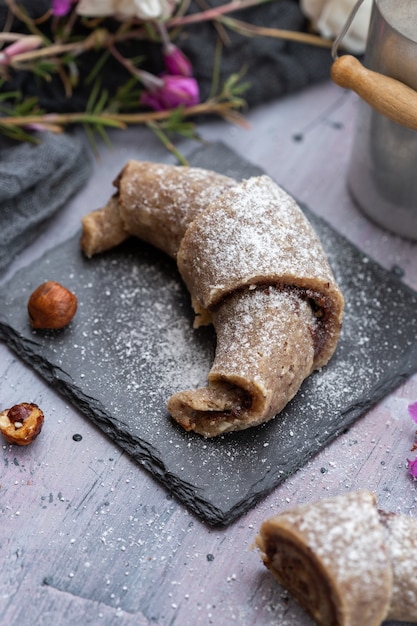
{"points": [[51, 306], [21, 424]]}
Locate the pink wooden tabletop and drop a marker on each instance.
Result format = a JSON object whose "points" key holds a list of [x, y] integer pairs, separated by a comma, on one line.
{"points": [[87, 536]]}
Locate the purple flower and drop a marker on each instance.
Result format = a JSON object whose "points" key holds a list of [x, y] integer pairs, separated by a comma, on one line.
{"points": [[173, 91], [412, 467], [176, 63], [61, 7], [412, 411]]}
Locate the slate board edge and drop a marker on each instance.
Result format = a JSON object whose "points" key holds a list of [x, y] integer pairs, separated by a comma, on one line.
{"points": [[141, 453]]}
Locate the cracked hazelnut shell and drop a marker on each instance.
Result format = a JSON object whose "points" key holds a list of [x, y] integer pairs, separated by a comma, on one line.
{"points": [[51, 306], [22, 423]]}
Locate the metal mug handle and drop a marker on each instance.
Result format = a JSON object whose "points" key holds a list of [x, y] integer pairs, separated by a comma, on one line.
{"points": [[388, 96]]}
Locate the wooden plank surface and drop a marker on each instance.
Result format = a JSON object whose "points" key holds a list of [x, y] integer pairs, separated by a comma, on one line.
{"points": [[87, 536]]}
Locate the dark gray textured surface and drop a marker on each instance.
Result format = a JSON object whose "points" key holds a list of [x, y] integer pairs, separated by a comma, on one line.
{"points": [[36, 180], [132, 344]]}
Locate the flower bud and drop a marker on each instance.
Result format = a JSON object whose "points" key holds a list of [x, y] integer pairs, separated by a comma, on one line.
{"points": [[24, 44], [61, 7], [176, 62]]}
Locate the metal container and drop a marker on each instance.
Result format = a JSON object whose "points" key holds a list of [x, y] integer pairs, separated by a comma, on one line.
{"points": [[382, 176]]}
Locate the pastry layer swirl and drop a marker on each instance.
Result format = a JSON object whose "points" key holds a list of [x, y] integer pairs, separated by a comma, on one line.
{"points": [[344, 560]]}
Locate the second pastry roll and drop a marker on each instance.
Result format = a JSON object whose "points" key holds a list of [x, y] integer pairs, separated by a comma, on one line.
{"points": [[332, 556], [347, 562]]}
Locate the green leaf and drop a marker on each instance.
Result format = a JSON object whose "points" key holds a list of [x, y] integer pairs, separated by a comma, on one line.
{"points": [[10, 95], [101, 103], [175, 124], [17, 133], [97, 100], [97, 68], [156, 128]]}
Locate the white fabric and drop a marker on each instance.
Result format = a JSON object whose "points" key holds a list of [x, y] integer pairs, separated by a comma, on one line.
{"points": [[125, 9], [329, 16]]}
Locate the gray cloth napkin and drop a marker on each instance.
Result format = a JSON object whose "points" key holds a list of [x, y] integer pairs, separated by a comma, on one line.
{"points": [[35, 181]]}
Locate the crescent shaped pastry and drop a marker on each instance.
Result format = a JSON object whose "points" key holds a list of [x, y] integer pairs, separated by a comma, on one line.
{"points": [[254, 268], [346, 562]]}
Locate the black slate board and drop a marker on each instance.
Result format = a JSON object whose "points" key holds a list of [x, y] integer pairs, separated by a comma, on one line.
{"points": [[132, 345]]}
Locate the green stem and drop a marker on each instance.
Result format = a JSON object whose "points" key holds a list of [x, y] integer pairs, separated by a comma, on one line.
{"points": [[166, 142], [250, 30], [23, 17], [120, 120]]}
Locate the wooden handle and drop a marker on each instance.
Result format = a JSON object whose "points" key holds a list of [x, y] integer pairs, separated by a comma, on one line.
{"points": [[388, 96]]}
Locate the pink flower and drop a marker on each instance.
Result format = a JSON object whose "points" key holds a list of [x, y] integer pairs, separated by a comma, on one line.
{"points": [[412, 411], [24, 44], [61, 7], [412, 467], [176, 62], [172, 91]]}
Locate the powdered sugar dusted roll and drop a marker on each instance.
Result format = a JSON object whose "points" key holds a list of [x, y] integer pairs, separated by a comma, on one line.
{"points": [[346, 562], [155, 202], [254, 374], [401, 541], [254, 268], [256, 234]]}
